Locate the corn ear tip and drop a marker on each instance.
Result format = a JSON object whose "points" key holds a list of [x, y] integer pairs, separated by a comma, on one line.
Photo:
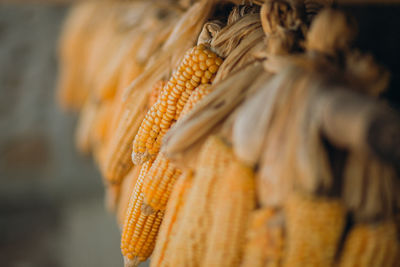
{"points": [[147, 209], [139, 158], [131, 262]]}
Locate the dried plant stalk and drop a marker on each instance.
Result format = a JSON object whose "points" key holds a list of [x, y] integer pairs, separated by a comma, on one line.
{"points": [[371, 245], [314, 228]]}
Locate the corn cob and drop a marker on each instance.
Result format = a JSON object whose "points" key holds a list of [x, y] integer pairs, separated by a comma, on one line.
{"points": [[162, 175], [139, 231], [370, 245], [198, 67], [74, 43], [314, 227], [127, 187], [169, 226], [189, 245], [158, 183], [117, 163], [231, 208], [201, 91], [265, 240]]}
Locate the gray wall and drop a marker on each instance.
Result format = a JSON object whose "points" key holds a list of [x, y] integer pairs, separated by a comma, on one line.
{"points": [[51, 198]]}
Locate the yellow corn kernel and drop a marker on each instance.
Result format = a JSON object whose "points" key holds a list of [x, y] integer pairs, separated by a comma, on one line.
{"points": [[170, 224], [231, 208], [199, 93], [314, 226], [139, 231], [264, 240], [370, 245], [188, 246], [159, 182], [162, 175], [192, 72]]}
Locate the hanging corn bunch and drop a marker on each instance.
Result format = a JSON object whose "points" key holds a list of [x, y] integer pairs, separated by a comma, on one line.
{"points": [[235, 133]]}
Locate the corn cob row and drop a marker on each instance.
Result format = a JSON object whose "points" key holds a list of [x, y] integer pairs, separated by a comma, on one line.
{"points": [[231, 209], [139, 231], [265, 239], [312, 223], [169, 227], [198, 67], [370, 245], [189, 246]]}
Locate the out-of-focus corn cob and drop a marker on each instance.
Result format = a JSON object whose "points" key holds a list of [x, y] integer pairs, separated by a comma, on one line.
{"points": [[169, 226], [189, 244], [86, 121], [139, 231], [265, 239], [198, 67], [314, 226], [231, 208], [158, 183], [77, 33], [370, 245], [118, 163]]}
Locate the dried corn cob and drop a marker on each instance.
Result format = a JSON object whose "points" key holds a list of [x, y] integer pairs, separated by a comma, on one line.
{"points": [[231, 208], [189, 245], [158, 183], [265, 240], [314, 227], [169, 226], [75, 40], [162, 175], [370, 245], [139, 231], [117, 163], [198, 67], [201, 91]]}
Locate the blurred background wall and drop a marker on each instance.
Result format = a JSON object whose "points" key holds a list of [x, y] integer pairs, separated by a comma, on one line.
{"points": [[51, 198]]}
